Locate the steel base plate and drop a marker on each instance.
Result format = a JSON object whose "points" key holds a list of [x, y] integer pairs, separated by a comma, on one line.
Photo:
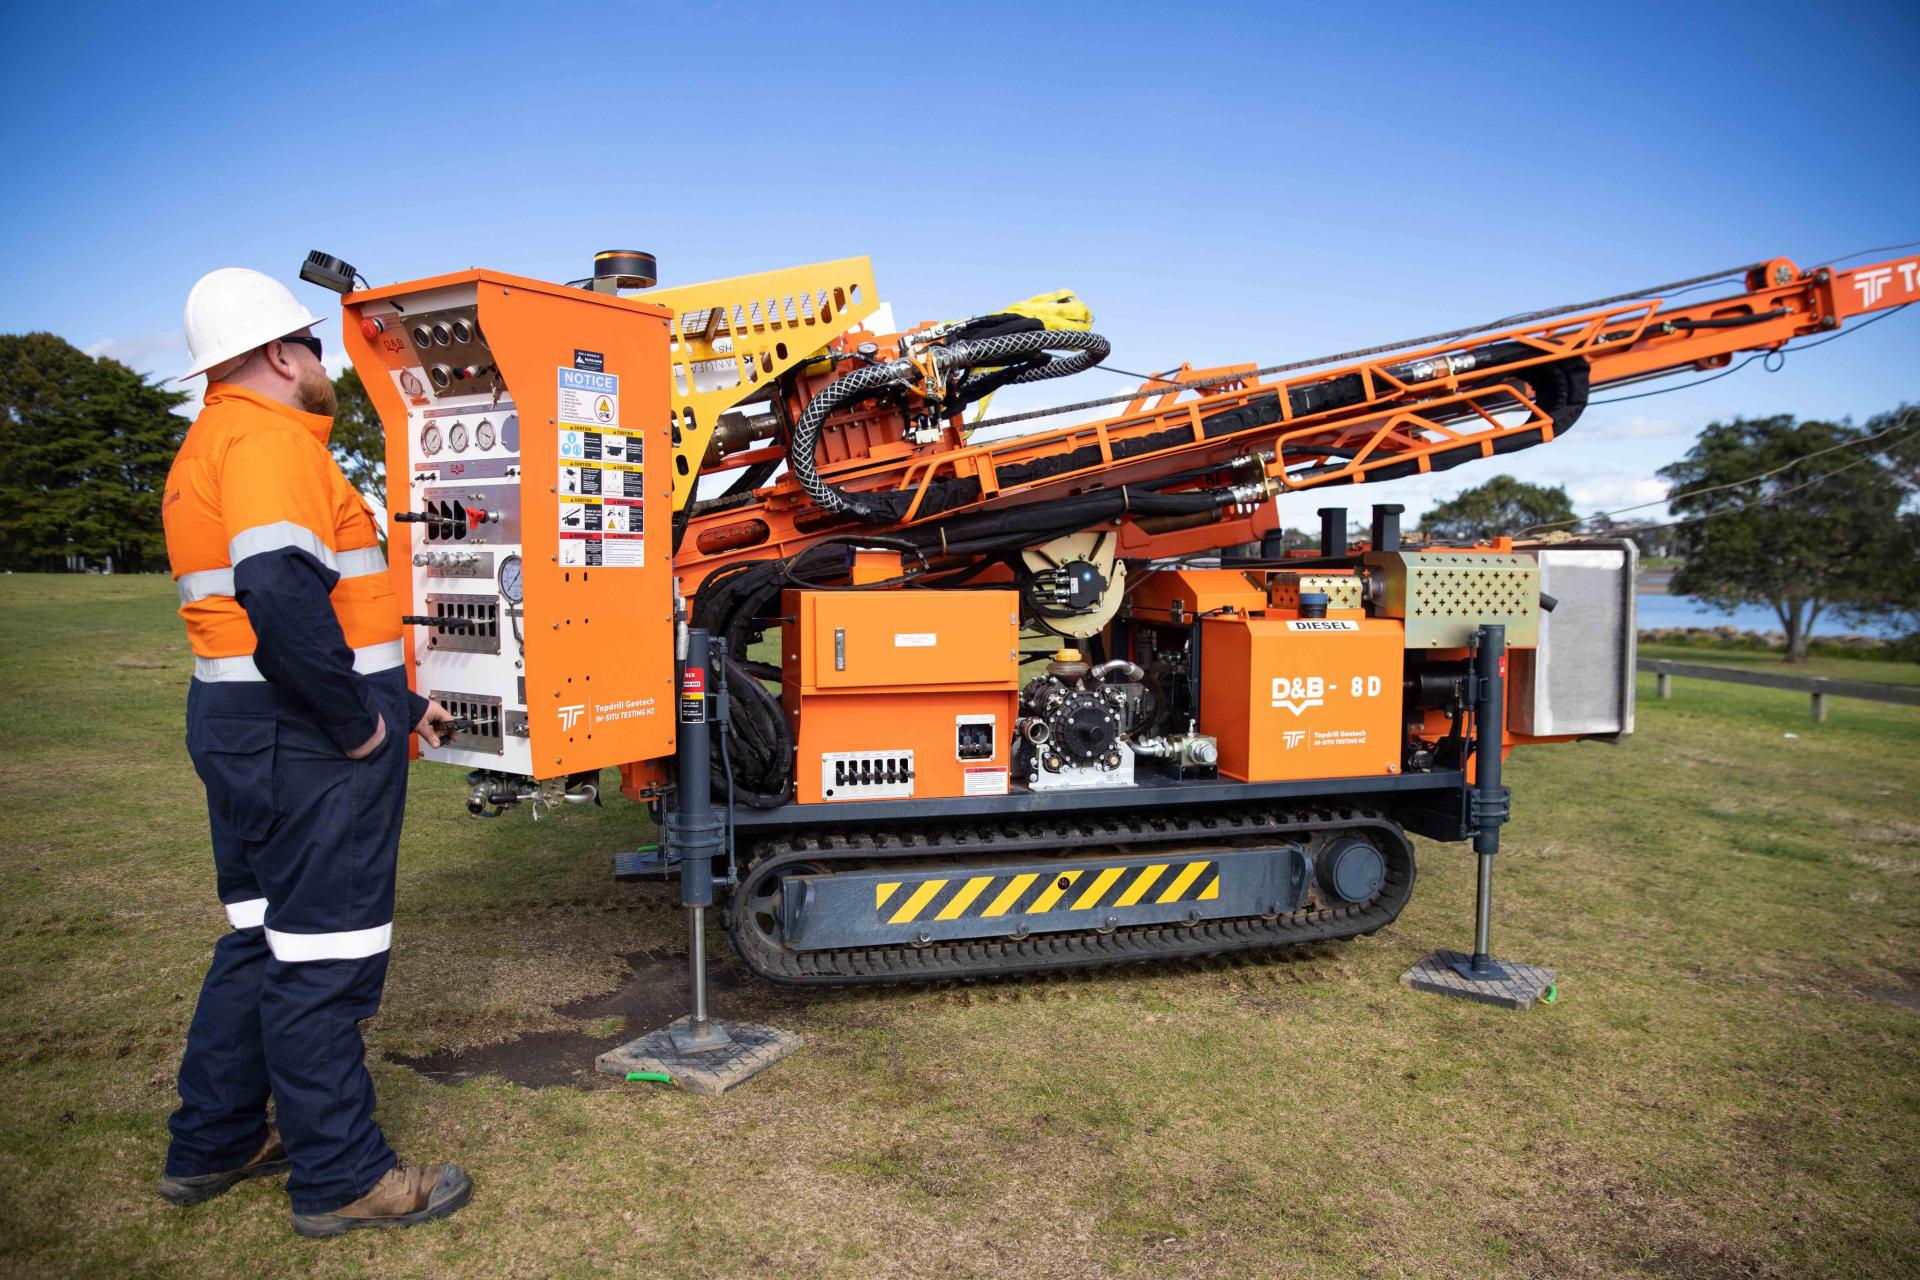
{"points": [[711, 1072], [1521, 986]]}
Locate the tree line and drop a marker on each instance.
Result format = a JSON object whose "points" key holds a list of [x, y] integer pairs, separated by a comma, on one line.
{"points": [[1810, 518], [85, 446]]}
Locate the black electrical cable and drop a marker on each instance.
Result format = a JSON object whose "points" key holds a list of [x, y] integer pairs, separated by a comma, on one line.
{"points": [[1759, 355], [1850, 331], [1885, 248], [1757, 502], [1697, 382], [1905, 418], [762, 775], [1145, 377]]}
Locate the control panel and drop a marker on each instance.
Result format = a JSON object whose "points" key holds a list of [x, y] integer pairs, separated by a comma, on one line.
{"points": [[529, 448], [866, 775]]}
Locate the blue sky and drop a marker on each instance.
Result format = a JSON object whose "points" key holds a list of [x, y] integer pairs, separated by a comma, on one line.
{"points": [[1229, 183]]}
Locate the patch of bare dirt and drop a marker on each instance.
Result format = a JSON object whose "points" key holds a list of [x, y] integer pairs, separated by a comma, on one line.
{"points": [[653, 994], [1905, 995]]}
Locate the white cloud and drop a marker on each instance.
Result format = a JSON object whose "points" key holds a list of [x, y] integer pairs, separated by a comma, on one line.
{"points": [[161, 355], [1608, 493]]}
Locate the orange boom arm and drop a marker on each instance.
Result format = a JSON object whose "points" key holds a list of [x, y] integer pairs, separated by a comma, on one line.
{"points": [[1413, 411]]}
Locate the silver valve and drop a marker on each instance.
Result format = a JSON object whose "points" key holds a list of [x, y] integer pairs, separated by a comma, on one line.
{"points": [[445, 559]]}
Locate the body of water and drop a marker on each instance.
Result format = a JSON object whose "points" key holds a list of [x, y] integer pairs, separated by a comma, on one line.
{"points": [[1659, 610]]}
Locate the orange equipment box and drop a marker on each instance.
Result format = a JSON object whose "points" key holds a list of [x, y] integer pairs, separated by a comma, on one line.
{"points": [[1177, 596], [900, 694], [530, 451], [1292, 698]]}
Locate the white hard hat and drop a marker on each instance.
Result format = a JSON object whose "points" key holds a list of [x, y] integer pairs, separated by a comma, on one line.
{"points": [[233, 310]]}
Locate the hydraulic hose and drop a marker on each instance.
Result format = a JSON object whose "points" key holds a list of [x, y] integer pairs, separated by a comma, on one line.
{"points": [[1058, 353]]}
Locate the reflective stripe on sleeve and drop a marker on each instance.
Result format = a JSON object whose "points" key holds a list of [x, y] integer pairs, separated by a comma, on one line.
{"points": [[354, 944], [205, 583], [359, 563], [250, 914], [263, 538], [367, 660]]}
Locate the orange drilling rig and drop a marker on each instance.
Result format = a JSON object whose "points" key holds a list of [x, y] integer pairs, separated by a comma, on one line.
{"points": [[910, 697]]}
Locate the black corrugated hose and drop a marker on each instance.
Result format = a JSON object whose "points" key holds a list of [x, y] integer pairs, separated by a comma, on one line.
{"points": [[1059, 352]]}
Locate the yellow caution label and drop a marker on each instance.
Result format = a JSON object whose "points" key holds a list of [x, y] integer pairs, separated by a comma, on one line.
{"points": [[1030, 893]]}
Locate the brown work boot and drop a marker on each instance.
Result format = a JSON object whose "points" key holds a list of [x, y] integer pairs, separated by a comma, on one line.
{"points": [[270, 1159], [406, 1196]]}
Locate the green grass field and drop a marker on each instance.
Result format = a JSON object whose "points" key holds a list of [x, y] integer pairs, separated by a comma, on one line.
{"points": [[1729, 1085]]}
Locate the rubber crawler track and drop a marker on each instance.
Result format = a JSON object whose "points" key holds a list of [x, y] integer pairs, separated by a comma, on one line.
{"points": [[1040, 953]]}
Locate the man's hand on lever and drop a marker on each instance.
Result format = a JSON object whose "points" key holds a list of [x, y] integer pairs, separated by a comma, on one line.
{"points": [[437, 725]]}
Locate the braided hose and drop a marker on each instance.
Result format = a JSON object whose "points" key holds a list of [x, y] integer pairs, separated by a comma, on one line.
{"points": [[1087, 350]]}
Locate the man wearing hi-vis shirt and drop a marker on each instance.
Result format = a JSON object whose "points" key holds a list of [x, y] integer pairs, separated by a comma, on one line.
{"points": [[297, 718]]}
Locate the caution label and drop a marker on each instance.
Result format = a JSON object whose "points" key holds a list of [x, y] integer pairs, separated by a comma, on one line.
{"points": [[603, 448], [985, 780], [693, 695], [602, 490]]}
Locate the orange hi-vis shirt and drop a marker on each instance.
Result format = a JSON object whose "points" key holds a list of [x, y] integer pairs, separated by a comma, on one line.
{"points": [[277, 560]]}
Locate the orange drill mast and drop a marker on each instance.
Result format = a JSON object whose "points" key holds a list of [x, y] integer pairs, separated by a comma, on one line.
{"points": [[1410, 410]]}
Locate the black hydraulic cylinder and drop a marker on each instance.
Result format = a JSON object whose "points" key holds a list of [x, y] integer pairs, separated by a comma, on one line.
{"points": [[1489, 728], [1386, 526], [693, 829], [693, 832], [1333, 531], [1489, 800]]}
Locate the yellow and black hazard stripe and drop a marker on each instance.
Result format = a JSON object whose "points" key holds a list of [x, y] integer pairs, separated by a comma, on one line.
{"points": [[1032, 893]]}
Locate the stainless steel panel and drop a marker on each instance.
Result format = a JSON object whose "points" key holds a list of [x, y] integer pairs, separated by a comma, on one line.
{"points": [[1580, 679]]}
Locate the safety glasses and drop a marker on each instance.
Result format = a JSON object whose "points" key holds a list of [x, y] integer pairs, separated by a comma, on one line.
{"points": [[311, 344]]}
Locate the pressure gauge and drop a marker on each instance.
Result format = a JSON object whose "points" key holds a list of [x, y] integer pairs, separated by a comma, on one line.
{"points": [[430, 440], [410, 384], [510, 432], [510, 579], [483, 434], [457, 437]]}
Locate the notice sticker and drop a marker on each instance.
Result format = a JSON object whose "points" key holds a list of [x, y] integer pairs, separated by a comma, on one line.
{"points": [[915, 640], [588, 399], [981, 780]]}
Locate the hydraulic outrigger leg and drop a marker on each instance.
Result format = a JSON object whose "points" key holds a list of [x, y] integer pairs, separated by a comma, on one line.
{"points": [[1479, 976], [701, 1054]]}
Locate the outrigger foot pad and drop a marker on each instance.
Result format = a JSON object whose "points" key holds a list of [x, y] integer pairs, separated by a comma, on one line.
{"points": [[708, 1072], [1509, 985]]}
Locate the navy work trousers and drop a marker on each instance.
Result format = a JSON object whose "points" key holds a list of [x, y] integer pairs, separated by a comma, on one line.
{"points": [[304, 847]]}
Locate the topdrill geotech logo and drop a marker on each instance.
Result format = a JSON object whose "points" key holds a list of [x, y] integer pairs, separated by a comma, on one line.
{"points": [[1873, 284], [570, 716]]}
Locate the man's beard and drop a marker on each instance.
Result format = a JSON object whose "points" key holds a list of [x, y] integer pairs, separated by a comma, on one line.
{"points": [[315, 392]]}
